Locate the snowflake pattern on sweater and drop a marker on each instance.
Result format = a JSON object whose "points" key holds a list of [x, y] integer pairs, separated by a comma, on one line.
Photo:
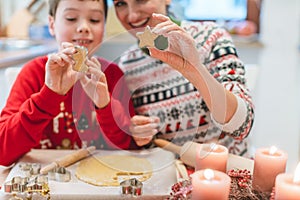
{"points": [[159, 90]]}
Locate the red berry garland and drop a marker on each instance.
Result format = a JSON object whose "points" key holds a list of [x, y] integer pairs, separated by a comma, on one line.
{"points": [[240, 188], [181, 190], [243, 176]]}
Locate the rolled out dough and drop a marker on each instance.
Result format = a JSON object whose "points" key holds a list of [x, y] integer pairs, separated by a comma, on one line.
{"points": [[110, 170]]}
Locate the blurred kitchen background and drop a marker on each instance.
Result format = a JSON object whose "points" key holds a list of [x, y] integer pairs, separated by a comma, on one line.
{"points": [[266, 34]]}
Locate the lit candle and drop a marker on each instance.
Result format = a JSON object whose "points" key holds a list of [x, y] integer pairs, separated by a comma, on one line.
{"points": [[268, 163], [287, 186], [211, 156], [210, 184]]}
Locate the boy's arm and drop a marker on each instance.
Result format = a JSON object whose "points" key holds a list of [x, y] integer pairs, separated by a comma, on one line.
{"points": [[22, 125], [28, 110]]}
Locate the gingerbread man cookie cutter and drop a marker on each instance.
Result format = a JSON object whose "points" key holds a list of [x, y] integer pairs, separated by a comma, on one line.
{"points": [[131, 187]]}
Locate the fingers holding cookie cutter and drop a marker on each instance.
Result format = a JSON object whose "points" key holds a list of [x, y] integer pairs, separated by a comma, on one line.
{"points": [[131, 187], [80, 58]]}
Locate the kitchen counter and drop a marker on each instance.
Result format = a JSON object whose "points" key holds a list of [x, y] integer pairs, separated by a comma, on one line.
{"points": [[17, 56], [162, 163]]}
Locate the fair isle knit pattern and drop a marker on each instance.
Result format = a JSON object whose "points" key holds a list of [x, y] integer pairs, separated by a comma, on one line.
{"points": [[159, 90]]}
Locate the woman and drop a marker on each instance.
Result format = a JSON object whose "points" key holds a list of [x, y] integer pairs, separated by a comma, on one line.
{"points": [[193, 90]]}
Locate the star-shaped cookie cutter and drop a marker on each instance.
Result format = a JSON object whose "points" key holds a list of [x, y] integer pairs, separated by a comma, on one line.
{"points": [[131, 187], [150, 39], [146, 38]]}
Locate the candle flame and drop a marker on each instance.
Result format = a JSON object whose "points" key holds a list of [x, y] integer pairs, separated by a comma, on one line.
{"points": [[272, 150], [208, 174], [297, 174]]}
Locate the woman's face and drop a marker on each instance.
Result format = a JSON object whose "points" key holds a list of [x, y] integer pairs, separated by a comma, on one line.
{"points": [[134, 15], [79, 22]]}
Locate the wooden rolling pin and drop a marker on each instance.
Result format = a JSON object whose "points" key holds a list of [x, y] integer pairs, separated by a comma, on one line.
{"points": [[68, 159], [187, 152]]}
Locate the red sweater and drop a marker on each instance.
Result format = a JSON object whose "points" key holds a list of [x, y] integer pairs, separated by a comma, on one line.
{"points": [[36, 117]]}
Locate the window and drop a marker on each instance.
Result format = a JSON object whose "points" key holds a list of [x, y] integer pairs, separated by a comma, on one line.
{"points": [[216, 10], [240, 13]]}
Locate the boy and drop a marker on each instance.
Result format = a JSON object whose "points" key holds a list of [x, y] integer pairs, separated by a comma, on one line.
{"points": [[53, 106]]}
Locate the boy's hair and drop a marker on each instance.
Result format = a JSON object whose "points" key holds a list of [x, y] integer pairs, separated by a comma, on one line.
{"points": [[53, 6]]}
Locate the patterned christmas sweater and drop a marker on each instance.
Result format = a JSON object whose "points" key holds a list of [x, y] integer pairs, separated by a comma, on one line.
{"points": [[159, 90]]}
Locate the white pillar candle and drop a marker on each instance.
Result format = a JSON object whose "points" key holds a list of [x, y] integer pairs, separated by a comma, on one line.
{"points": [[211, 156], [287, 186], [268, 163], [210, 184]]}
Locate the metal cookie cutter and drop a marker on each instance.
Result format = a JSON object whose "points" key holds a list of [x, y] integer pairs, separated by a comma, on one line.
{"points": [[25, 185], [132, 187], [38, 184], [17, 184], [80, 57], [60, 174], [30, 168]]}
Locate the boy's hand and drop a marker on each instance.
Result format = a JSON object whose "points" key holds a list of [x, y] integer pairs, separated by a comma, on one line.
{"points": [[94, 83], [59, 74]]}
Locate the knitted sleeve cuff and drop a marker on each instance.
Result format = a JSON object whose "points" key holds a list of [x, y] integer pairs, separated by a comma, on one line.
{"points": [[237, 119], [48, 101]]}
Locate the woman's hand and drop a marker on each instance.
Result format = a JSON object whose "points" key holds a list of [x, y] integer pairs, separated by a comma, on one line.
{"points": [[143, 129], [94, 83], [182, 48], [59, 74], [182, 55]]}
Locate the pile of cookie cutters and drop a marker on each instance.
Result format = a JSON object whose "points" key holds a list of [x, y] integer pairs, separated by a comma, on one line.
{"points": [[33, 182]]}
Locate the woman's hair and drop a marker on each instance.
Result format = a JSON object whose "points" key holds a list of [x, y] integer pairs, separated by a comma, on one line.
{"points": [[54, 3]]}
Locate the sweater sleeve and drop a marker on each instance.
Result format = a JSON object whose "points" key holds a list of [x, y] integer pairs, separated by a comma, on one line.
{"points": [[224, 63], [237, 120], [219, 55], [28, 110]]}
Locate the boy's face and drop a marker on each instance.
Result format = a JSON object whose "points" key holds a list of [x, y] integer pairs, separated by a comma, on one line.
{"points": [[134, 15], [79, 22]]}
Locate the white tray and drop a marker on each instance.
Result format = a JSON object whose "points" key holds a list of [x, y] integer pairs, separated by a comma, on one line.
{"points": [[157, 187]]}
